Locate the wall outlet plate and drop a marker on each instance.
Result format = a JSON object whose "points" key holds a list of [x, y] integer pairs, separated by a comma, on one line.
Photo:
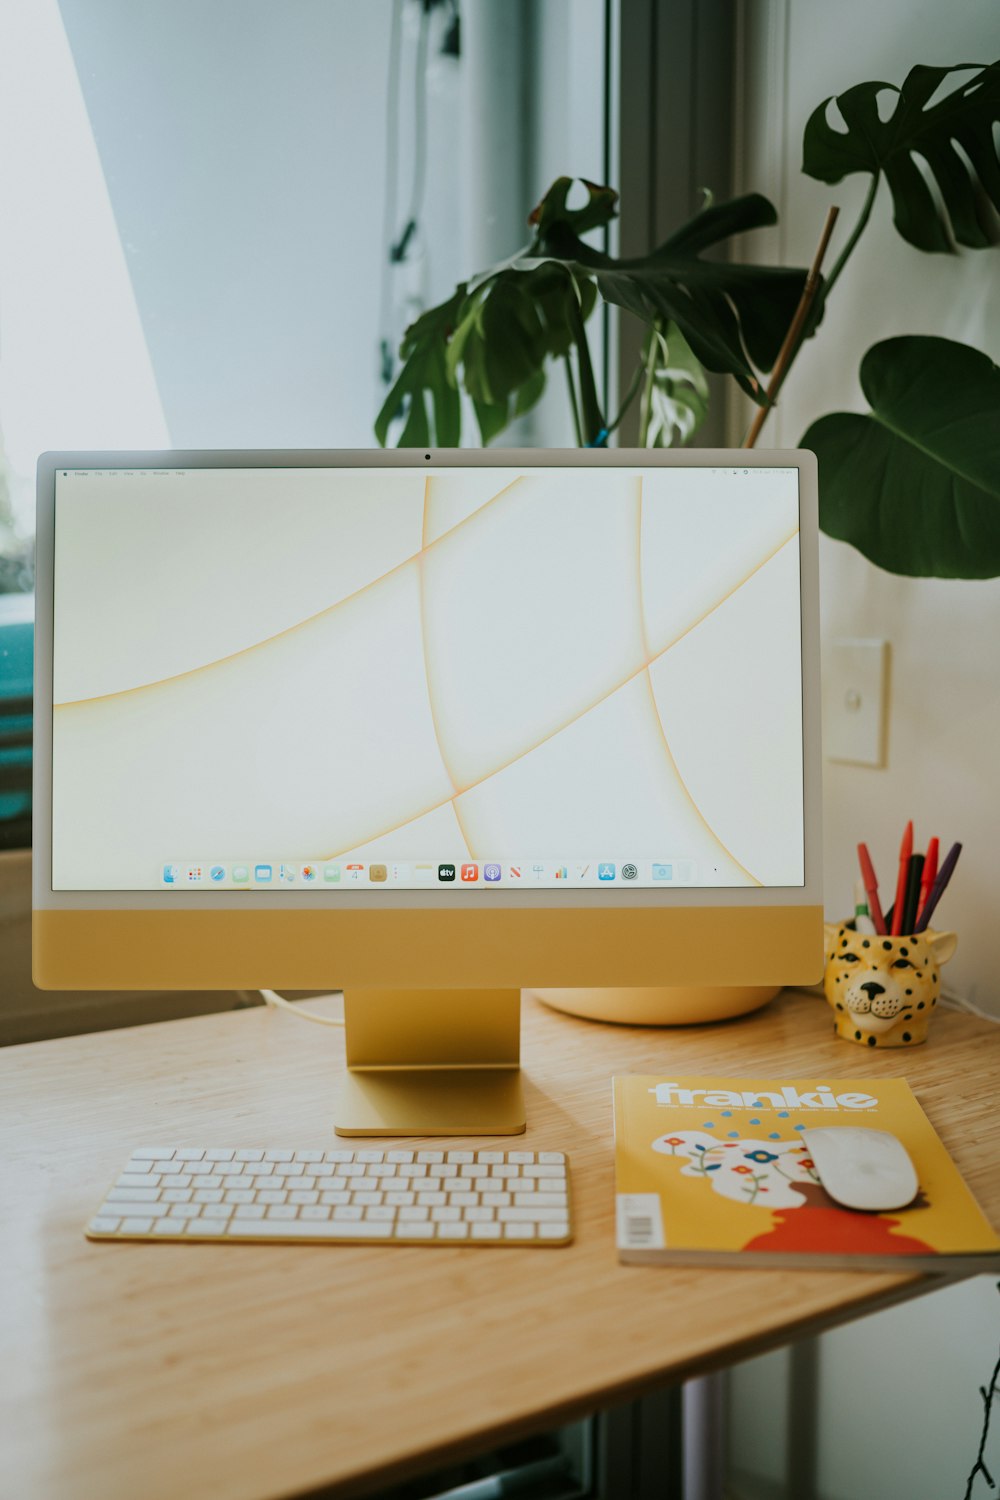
{"points": [[855, 701]]}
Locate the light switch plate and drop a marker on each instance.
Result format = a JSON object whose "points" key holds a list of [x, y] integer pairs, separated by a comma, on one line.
{"points": [[855, 701]]}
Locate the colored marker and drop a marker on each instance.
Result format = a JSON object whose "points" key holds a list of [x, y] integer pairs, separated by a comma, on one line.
{"points": [[930, 873], [899, 905], [913, 875], [871, 888], [862, 921], [944, 875]]}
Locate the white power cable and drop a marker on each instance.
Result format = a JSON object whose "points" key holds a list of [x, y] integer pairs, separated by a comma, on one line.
{"points": [[270, 998]]}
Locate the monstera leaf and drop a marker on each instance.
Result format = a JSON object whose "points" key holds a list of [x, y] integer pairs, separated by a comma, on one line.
{"points": [[495, 335], [425, 378], [953, 138], [733, 316], [675, 397], [915, 485]]}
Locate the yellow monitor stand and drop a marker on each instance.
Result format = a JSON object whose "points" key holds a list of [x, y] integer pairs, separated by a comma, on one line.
{"points": [[432, 1062]]}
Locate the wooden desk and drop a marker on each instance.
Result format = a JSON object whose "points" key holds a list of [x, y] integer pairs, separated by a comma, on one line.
{"points": [[244, 1372]]}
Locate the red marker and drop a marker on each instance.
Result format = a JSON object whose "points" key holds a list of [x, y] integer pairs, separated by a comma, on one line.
{"points": [[929, 875], [905, 850], [871, 888]]}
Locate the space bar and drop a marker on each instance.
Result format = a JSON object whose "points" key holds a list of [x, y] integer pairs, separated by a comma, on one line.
{"points": [[310, 1229]]}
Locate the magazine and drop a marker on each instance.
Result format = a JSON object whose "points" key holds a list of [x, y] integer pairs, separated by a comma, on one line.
{"points": [[715, 1170]]}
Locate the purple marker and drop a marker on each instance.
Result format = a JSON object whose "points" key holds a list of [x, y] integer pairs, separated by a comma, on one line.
{"points": [[937, 889]]}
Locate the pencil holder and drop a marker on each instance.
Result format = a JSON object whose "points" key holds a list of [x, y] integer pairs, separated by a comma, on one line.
{"points": [[883, 990]]}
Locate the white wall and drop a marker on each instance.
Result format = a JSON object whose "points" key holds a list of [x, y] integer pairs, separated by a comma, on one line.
{"points": [[944, 717], [898, 1397]]}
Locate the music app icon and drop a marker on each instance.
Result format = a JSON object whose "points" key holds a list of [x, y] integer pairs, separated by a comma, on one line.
{"points": [[470, 872]]}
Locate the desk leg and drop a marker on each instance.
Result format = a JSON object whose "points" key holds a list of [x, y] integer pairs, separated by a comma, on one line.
{"points": [[704, 1438]]}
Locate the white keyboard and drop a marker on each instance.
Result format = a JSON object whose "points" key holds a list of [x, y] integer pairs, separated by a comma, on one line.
{"points": [[388, 1196]]}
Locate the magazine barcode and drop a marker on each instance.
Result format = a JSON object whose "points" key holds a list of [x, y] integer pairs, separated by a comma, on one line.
{"points": [[640, 1226], [638, 1230]]}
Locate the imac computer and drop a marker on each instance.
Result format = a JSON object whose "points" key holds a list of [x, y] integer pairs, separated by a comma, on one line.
{"points": [[430, 728]]}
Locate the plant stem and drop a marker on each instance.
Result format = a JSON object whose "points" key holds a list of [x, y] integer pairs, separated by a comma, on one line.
{"points": [[640, 370], [593, 420], [793, 338], [856, 234], [646, 405], [574, 407]]}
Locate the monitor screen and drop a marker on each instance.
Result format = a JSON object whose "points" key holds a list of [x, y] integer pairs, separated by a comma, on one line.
{"points": [[486, 681]]}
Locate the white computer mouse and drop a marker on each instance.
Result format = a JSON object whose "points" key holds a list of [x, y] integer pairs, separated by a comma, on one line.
{"points": [[861, 1168]]}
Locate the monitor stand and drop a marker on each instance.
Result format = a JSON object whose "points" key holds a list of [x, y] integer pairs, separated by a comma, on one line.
{"points": [[432, 1062]]}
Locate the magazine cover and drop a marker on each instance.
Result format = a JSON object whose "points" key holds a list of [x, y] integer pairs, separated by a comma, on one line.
{"points": [[715, 1169]]}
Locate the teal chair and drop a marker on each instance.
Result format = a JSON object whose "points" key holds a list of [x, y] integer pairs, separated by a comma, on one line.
{"points": [[17, 634]]}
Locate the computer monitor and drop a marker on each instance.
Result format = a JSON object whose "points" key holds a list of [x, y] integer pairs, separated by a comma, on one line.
{"points": [[429, 728]]}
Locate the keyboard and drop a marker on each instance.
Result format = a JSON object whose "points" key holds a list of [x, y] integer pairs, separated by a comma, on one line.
{"points": [[342, 1196]]}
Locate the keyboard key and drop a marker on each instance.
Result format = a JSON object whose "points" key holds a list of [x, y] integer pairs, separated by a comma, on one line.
{"points": [[415, 1215], [176, 1180], [478, 1215], [308, 1156], [189, 1153], [487, 1231], [400, 1200], [521, 1158], [539, 1200], [184, 1210], [207, 1195], [544, 1170], [367, 1156], [518, 1231], [346, 1213], [181, 1195], [282, 1211], [133, 1195], [204, 1227], [380, 1214], [305, 1229], [445, 1215], [549, 1158], [249, 1155], [414, 1231], [338, 1156], [553, 1231], [250, 1211], [103, 1225], [218, 1155], [271, 1195], [153, 1153], [136, 1226], [531, 1215], [459, 1156], [126, 1206], [314, 1211], [217, 1211], [278, 1155], [453, 1231], [137, 1166], [493, 1156], [303, 1196], [430, 1156], [396, 1156]]}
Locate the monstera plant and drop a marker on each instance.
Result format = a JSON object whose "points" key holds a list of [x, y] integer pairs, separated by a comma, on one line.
{"points": [[914, 484]]}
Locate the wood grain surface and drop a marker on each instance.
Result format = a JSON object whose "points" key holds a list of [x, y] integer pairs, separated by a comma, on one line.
{"points": [[244, 1372]]}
